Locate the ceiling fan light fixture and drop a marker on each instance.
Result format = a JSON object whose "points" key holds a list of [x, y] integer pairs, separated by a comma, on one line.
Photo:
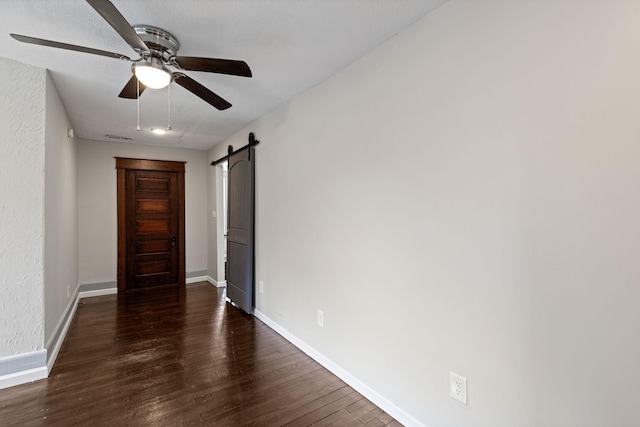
{"points": [[152, 73], [159, 131]]}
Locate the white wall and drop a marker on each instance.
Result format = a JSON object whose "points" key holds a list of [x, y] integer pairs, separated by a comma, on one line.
{"points": [[22, 114], [466, 198], [97, 205], [61, 237]]}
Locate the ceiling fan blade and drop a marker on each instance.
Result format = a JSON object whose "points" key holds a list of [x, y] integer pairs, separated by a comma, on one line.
{"points": [[201, 91], [108, 11], [131, 88], [59, 45], [213, 65]]}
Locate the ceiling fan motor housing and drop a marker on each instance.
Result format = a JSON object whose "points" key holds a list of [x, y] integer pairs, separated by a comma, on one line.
{"points": [[161, 43]]}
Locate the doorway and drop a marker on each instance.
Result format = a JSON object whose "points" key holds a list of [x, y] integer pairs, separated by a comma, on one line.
{"points": [[151, 249]]}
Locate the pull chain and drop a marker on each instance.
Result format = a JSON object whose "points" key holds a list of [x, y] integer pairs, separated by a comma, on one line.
{"points": [[169, 105], [138, 100]]}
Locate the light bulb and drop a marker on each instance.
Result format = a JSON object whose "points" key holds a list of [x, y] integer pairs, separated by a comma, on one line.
{"points": [[152, 73]]}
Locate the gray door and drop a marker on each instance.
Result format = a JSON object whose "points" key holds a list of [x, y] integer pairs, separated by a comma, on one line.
{"points": [[240, 274]]}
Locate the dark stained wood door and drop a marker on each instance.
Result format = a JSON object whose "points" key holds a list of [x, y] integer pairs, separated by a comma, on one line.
{"points": [[150, 223], [152, 234], [240, 233]]}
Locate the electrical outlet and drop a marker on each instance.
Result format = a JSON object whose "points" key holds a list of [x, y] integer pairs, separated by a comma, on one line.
{"points": [[458, 387], [321, 318], [68, 291], [261, 286]]}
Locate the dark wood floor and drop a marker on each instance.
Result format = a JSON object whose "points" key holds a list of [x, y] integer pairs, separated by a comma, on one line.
{"points": [[176, 357]]}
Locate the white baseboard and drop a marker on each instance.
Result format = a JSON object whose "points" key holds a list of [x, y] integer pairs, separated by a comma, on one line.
{"points": [[69, 313], [214, 282], [23, 377], [23, 368], [53, 348], [197, 279], [375, 397], [97, 293]]}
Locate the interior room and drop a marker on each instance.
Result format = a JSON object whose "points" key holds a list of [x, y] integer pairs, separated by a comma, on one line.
{"points": [[453, 184]]}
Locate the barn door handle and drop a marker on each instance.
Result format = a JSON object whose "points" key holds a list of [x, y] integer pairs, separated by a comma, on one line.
{"points": [[173, 241]]}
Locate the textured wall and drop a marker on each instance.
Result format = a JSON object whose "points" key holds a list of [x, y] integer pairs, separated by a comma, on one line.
{"points": [[22, 110]]}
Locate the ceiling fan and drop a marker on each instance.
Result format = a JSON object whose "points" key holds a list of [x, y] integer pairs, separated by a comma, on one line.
{"points": [[157, 49]]}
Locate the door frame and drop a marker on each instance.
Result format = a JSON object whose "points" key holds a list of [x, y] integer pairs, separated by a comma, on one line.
{"points": [[122, 165], [221, 224]]}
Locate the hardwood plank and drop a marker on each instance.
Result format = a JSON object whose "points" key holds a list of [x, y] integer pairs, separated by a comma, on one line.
{"points": [[176, 357], [324, 406]]}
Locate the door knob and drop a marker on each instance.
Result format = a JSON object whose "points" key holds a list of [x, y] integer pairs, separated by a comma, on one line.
{"points": [[173, 241]]}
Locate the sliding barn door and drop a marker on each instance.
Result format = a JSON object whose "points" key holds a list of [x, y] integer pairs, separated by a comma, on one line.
{"points": [[240, 233]]}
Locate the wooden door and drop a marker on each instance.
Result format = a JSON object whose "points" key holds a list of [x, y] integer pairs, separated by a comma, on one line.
{"points": [[150, 223], [240, 233]]}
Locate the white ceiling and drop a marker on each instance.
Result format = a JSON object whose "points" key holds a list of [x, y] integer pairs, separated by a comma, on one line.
{"points": [[290, 45]]}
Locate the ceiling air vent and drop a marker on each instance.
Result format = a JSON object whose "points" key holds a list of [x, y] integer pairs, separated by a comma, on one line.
{"points": [[118, 137]]}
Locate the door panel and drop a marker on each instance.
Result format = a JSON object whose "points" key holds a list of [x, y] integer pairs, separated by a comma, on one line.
{"points": [[152, 205], [153, 267], [240, 234], [150, 184], [153, 225], [152, 210], [153, 246]]}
